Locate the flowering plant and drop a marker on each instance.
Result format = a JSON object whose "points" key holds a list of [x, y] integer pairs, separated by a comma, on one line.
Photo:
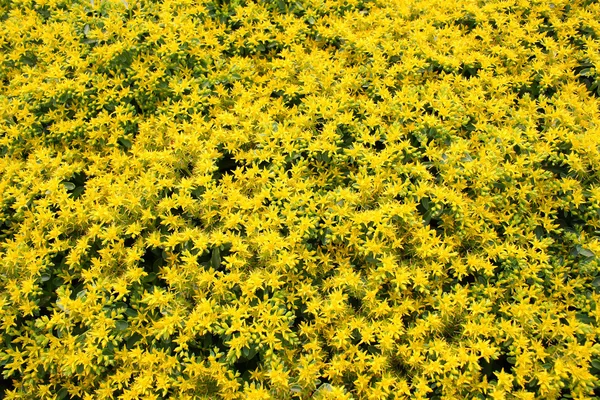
{"points": [[275, 199]]}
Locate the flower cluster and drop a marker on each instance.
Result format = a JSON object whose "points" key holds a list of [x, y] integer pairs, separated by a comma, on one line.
{"points": [[277, 199]]}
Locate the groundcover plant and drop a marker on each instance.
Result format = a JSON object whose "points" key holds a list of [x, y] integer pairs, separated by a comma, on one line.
{"points": [[273, 199]]}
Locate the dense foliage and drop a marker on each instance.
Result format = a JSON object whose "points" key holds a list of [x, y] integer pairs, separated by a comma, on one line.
{"points": [[273, 199]]}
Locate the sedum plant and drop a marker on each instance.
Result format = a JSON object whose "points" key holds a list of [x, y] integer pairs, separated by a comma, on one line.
{"points": [[278, 199]]}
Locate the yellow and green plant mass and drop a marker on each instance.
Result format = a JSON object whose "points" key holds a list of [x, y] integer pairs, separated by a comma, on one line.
{"points": [[299, 199]]}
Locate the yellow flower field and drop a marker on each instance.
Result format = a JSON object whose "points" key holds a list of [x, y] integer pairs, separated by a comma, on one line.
{"points": [[299, 199]]}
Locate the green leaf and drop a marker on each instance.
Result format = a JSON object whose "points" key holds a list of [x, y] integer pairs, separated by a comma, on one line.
{"points": [[586, 253], [539, 232], [62, 393], [249, 353], [78, 191], [585, 318], [596, 364], [133, 340], [120, 304], [130, 312], [296, 389], [215, 259], [69, 185], [125, 143], [121, 325]]}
